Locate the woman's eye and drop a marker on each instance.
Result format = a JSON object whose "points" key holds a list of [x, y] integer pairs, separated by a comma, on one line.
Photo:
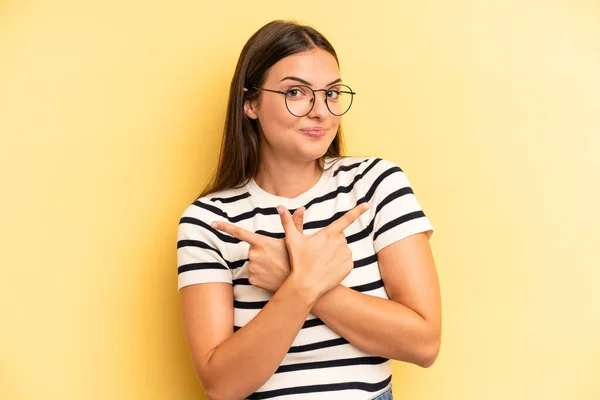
{"points": [[333, 94], [295, 92]]}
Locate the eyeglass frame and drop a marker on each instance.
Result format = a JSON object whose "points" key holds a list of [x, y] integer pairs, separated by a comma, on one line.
{"points": [[314, 91]]}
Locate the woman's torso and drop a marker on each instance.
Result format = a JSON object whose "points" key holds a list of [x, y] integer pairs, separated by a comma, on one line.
{"points": [[320, 364]]}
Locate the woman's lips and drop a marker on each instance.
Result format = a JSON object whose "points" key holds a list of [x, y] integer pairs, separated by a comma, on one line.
{"points": [[314, 132]]}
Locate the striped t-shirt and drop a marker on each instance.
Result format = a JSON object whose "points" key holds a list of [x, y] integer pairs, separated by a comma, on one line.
{"points": [[320, 364]]}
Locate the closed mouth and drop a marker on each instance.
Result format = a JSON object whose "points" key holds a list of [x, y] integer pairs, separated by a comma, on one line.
{"points": [[314, 131]]}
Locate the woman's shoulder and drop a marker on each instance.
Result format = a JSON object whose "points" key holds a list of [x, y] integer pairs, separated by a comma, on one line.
{"points": [[215, 203], [361, 165]]}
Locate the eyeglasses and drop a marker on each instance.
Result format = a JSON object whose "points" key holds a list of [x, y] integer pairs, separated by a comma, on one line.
{"points": [[300, 99]]}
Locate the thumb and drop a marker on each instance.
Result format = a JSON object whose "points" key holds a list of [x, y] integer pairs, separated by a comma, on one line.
{"points": [[298, 218], [287, 221]]}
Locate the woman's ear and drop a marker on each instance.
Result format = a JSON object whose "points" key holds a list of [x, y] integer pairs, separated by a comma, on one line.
{"points": [[250, 109]]}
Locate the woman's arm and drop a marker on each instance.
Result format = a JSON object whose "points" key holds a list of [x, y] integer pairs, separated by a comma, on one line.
{"points": [[234, 365], [408, 326]]}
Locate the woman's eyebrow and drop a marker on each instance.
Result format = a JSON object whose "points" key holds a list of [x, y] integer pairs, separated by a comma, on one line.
{"points": [[295, 78]]}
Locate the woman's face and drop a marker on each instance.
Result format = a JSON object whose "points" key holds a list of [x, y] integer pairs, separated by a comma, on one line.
{"points": [[285, 136]]}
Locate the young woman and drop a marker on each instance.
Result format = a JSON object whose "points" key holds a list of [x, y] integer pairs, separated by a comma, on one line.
{"points": [[302, 273]]}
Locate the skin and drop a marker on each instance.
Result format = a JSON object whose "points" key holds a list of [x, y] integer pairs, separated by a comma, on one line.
{"points": [[407, 327]]}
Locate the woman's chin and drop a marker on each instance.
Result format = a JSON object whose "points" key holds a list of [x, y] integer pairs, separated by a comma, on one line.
{"points": [[313, 153]]}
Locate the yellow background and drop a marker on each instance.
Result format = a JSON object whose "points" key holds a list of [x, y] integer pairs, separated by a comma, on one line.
{"points": [[110, 119]]}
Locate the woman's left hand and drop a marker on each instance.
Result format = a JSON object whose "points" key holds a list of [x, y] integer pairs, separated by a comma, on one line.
{"points": [[268, 260]]}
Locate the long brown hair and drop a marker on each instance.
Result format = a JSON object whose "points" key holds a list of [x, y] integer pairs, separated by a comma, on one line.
{"points": [[239, 158]]}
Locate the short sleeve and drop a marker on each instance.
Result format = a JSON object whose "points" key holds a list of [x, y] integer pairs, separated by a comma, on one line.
{"points": [[200, 257], [397, 213]]}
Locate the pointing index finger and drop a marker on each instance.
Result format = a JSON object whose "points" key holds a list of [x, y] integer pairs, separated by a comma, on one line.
{"points": [[236, 232], [347, 219]]}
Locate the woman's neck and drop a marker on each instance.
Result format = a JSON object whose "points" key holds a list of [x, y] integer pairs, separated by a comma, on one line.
{"points": [[287, 178]]}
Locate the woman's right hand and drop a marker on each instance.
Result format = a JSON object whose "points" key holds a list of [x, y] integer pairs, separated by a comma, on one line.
{"points": [[320, 261]]}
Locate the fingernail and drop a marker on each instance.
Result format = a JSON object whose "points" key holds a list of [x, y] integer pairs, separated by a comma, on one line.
{"points": [[279, 210], [366, 206], [214, 225]]}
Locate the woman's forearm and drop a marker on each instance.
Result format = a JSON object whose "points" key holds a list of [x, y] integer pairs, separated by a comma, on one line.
{"points": [[248, 358], [379, 326]]}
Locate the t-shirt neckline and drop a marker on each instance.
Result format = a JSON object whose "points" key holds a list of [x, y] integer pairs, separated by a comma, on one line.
{"points": [[269, 199]]}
